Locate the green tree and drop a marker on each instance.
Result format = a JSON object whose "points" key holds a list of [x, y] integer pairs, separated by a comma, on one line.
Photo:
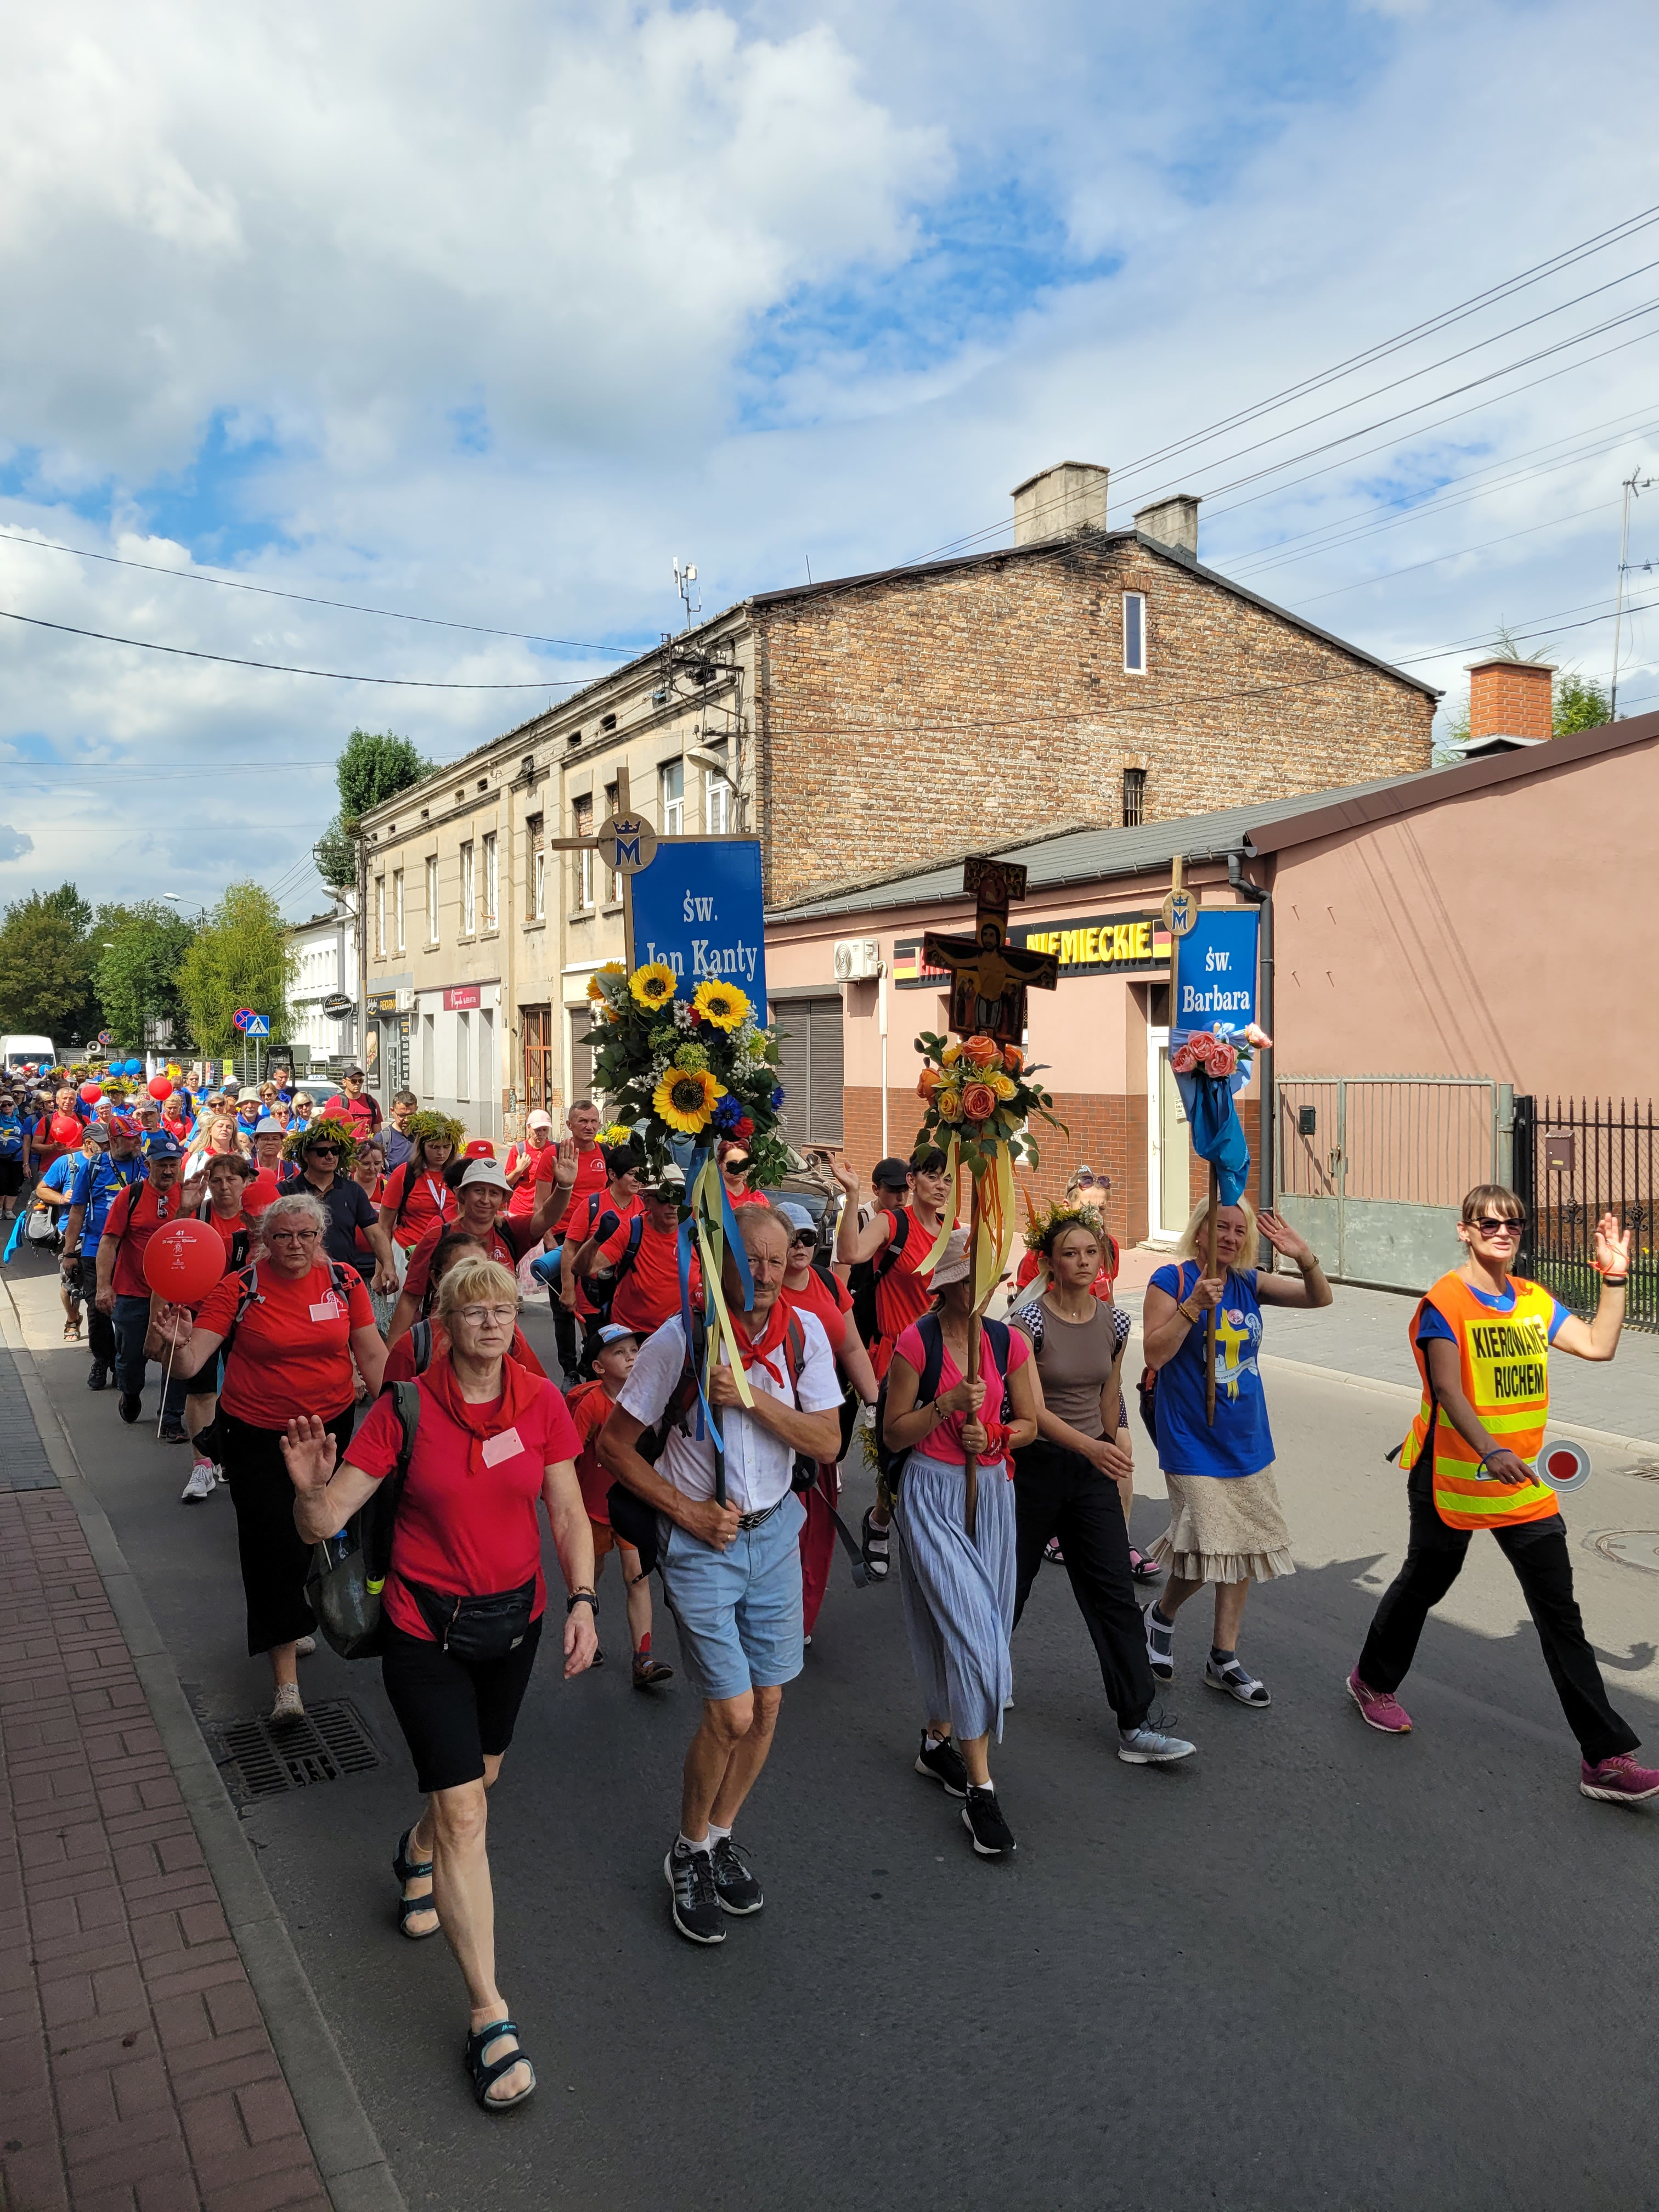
{"points": [[1579, 704], [239, 957], [375, 766], [138, 952], [45, 966]]}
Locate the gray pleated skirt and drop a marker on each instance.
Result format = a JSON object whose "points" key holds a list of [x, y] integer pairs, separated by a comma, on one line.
{"points": [[959, 1597]]}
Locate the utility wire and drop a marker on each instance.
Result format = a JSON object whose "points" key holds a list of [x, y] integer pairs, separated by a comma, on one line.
{"points": [[1458, 553]]}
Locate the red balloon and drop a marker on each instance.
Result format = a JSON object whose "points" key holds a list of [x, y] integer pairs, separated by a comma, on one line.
{"points": [[160, 1086], [184, 1260], [91, 1093]]}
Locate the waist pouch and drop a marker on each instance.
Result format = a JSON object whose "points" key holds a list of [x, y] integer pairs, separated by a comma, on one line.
{"points": [[476, 1629]]}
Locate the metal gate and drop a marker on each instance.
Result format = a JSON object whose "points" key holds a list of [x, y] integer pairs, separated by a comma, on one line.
{"points": [[1372, 1169], [1574, 1160]]}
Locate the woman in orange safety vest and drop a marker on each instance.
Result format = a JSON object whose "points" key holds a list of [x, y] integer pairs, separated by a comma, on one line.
{"points": [[1482, 1339]]}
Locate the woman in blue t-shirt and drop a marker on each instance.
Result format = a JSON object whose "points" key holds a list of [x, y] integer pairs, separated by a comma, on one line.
{"points": [[1225, 1524], [11, 1157]]}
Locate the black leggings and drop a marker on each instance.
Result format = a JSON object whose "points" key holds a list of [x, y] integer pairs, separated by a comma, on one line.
{"points": [[1537, 1551], [1058, 1493], [453, 1712], [275, 1558]]}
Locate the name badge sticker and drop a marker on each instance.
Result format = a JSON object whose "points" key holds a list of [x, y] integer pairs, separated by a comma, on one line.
{"points": [[507, 1445], [327, 1309]]}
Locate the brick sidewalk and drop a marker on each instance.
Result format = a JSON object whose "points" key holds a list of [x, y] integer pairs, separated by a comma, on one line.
{"points": [[136, 2074]]}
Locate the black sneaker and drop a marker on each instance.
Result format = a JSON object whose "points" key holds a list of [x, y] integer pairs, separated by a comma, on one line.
{"points": [[173, 1432], [737, 1888], [130, 1406], [944, 1763], [696, 1906], [982, 1817], [97, 1375]]}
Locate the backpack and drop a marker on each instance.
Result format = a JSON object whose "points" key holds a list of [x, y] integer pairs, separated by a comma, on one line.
{"points": [[348, 1573], [237, 1256], [863, 1276], [600, 1289], [890, 1463], [340, 1278], [420, 1336]]}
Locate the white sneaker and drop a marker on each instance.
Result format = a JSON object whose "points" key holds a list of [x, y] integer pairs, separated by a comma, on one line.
{"points": [[287, 1705], [306, 1648], [201, 1484]]}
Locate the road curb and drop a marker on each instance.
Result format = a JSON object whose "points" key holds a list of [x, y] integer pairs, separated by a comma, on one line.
{"points": [[348, 2152]]}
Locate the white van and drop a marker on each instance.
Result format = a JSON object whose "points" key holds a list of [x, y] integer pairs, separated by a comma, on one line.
{"points": [[16, 1051]]}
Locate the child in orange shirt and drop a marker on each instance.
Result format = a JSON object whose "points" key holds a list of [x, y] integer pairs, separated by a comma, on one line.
{"points": [[590, 1403]]}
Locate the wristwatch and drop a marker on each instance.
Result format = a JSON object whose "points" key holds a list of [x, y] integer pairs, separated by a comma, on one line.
{"points": [[581, 1597]]}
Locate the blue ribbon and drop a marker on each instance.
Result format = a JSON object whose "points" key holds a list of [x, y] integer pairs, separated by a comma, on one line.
{"points": [[691, 1160], [11, 1242]]}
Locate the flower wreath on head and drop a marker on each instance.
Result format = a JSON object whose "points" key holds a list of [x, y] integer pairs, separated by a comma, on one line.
{"points": [[1045, 1225], [429, 1123], [302, 1135]]}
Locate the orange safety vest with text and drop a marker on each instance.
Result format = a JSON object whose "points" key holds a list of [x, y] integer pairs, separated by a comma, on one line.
{"points": [[1503, 1357]]}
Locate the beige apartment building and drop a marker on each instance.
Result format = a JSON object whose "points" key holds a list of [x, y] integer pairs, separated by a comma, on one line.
{"points": [[1086, 675]]}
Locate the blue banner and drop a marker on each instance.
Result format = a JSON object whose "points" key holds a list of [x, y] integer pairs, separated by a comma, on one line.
{"points": [[699, 907], [1215, 972]]}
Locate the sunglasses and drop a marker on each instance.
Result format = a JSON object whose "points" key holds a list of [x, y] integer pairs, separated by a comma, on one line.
{"points": [[314, 1149], [1510, 1225], [802, 1237]]}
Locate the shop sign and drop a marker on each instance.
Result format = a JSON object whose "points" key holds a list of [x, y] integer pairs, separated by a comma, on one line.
{"points": [[379, 1002], [458, 997], [1093, 944]]}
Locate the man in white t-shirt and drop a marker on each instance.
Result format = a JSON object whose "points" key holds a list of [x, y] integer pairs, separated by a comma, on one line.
{"points": [[731, 1573]]}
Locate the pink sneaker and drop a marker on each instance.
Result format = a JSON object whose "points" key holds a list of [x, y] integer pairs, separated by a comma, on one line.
{"points": [[1619, 1781], [1379, 1711]]}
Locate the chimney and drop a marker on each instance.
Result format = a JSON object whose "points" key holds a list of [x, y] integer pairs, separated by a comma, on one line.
{"points": [[1172, 522], [1511, 704], [1060, 501]]}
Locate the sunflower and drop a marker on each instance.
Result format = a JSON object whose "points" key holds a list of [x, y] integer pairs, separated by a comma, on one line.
{"points": [[723, 1004], [596, 990], [685, 1097], [655, 984]]}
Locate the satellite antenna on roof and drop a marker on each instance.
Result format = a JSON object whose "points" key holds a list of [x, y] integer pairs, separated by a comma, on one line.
{"points": [[685, 579]]}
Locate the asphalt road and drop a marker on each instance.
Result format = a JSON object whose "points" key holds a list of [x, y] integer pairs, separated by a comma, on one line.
{"points": [[1311, 1967]]}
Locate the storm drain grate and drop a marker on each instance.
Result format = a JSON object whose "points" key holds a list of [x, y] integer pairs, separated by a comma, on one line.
{"points": [[326, 1744]]}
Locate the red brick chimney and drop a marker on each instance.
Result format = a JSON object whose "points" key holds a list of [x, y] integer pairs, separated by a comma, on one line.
{"points": [[1511, 699]]}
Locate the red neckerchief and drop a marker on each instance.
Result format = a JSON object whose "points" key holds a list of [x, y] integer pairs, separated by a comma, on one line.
{"points": [[769, 1340], [520, 1391]]}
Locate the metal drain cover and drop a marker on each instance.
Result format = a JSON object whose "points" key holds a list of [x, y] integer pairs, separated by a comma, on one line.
{"points": [[1630, 1547], [328, 1742]]}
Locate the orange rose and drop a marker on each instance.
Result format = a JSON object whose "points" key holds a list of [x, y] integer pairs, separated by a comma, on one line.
{"points": [[928, 1083], [981, 1052], [1013, 1059], [979, 1102]]}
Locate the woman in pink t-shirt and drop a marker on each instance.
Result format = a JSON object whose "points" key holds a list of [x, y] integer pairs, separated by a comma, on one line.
{"points": [[464, 1602], [959, 1590]]}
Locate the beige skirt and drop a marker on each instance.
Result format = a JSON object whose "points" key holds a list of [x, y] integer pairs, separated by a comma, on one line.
{"points": [[1225, 1528]]}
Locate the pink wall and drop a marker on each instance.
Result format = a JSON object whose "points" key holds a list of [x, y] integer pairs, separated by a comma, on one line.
{"points": [[1492, 933]]}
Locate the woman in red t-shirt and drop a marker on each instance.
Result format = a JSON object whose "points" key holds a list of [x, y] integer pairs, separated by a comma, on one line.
{"points": [[808, 1291], [293, 1323], [492, 1440], [416, 1195], [221, 1208]]}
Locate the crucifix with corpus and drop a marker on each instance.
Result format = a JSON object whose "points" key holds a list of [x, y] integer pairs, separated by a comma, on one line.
{"points": [[989, 979]]}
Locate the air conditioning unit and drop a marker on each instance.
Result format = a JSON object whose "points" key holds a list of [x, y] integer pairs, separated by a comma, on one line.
{"points": [[405, 1001], [857, 959]]}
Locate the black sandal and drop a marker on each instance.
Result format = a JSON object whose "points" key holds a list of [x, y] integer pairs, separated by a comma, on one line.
{"points": [[876, 1545], [408, 1870], [487, 2072]]}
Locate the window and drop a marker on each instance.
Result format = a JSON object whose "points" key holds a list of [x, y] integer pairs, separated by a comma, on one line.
{"points": [[379, 917], [612, 881], [397, 908], [535, 870], [670, 793], [1134, 633], [536, 1029], [432, 900], [428, 1053], [810, 1068], [716, 805], [492, 880], [1134, 798], [581, 1063], [581, 825], [469, 918], [463, 1058]]}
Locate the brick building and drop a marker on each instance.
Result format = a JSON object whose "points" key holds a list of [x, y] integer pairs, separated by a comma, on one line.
{"points": [[1083, 675]]}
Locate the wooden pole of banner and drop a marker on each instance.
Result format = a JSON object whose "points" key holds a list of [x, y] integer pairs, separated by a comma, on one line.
{"points": [[1209, 1318], [970, 1464]]}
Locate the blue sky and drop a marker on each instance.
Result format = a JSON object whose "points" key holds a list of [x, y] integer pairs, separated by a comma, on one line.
{"points": [[492, 326]]}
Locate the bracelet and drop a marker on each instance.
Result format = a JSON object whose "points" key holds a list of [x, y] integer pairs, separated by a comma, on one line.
{"points": [[1309, 1265], [1614, 1282], [581, 1597], [1191, 1319]]}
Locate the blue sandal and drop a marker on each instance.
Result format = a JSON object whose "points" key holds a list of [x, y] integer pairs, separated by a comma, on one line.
{"points": [[407, 1870], [487, 2072]]}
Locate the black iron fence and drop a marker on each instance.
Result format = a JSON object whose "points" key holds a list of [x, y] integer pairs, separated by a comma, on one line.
{"points": [[1574, 1160]]}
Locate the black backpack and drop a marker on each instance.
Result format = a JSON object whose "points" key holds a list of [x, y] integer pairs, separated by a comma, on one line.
{"points": [[891, 1462], [863, 1276], [600, 1289], [348, 1572]]}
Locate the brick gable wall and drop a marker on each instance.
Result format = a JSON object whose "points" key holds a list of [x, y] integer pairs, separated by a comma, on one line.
{"points": [[923, 715]]}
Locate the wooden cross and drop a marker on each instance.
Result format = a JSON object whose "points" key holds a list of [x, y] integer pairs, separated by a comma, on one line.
{"points": [[1180, 913], [989, 977]]}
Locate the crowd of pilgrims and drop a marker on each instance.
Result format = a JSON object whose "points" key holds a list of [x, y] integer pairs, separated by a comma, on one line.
{"points": [[368, 1326]]}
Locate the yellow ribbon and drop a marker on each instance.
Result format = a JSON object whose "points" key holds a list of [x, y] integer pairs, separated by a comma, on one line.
{"points": [[713, 1291], [927, 1265]]}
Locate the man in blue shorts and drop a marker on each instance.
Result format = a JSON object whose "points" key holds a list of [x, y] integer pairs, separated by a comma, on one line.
{"points": [[731, 1573]]}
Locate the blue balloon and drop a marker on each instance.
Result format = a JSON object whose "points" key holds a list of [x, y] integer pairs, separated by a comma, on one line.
{"points": [[135, 1068]]}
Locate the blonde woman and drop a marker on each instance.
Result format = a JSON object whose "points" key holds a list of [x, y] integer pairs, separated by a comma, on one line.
{"points": [[1225, 1524]]}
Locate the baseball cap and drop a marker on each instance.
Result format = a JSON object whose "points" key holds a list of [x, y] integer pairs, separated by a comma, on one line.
{"points": [[485, 1171], [539, 1119], [357, 1072], [92, 1134], [124, 1123], [671, 1180], [165, 1148], [891, 1174], [796, 1216], [612, 1333], [479, 1148], [232, 1090]]}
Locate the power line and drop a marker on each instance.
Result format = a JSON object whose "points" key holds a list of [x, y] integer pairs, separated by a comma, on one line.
{"points": [[301, 599], [1458, 553], [282, 667]]}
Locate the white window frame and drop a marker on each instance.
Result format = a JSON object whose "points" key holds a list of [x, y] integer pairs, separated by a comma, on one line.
{"points": [[463, 1059], [431, 898], [492, 879], [538, 882], [1138, 600], [612, 880], [468, 917], [397, 905], [671, 804], [379, 917], [717, 805], [581, 820]]}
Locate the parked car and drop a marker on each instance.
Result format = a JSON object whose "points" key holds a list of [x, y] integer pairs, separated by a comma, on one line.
{"points": [[808, 1183]]}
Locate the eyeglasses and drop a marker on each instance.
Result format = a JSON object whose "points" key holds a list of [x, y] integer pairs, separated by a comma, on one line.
{"points": [[1510, 1225], [487, 1316], [292, 1236]]}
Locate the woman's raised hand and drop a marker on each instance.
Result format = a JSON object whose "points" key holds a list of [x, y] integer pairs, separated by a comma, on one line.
{"points": [[308, 1451], [1283, 1238], [1612, 1246]]}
